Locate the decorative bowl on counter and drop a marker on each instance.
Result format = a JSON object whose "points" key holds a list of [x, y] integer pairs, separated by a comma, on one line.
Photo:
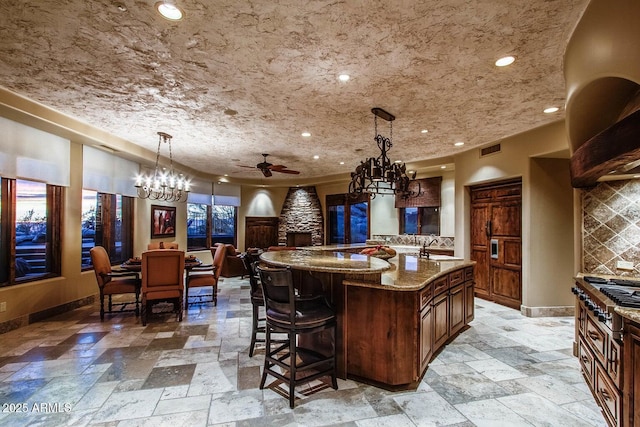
{"points": [[382, 252]]}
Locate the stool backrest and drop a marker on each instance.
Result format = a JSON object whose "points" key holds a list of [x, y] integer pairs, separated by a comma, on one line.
{"points": [[278, 290]]}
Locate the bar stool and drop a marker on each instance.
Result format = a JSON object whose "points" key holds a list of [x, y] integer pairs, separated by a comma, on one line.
{"points": [[257, 301], [288, 313]]}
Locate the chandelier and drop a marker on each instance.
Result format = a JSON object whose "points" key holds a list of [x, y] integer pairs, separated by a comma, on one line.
{"points": [[379, 175], [163, 185]]}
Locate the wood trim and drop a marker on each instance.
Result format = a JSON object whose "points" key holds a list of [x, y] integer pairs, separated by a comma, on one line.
{"points": [[430, 189], [612, 148]]}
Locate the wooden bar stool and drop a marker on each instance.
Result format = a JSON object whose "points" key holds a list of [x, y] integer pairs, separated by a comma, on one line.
{"points": [[288, 313]]}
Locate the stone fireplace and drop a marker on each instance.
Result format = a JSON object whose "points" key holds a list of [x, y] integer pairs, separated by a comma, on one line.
{"points": [[301, 217]]}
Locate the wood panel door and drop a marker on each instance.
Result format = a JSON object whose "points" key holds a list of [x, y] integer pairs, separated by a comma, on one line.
{"points": [[261, 232], [496, 241]]}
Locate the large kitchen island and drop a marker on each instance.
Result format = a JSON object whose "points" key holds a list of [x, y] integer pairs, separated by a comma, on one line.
{"points": [[392, 316]]}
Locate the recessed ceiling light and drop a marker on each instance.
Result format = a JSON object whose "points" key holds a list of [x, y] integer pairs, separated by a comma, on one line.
{"points": [[503, 62], [342, 163], [398, 161], [226, 174], [551, 110], [459, 144], [306, 134], [443, 167], [424, 131], [344, 77], [169, 11], [316, 157]]}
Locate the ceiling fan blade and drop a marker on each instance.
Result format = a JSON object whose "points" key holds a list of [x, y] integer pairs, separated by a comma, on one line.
{"points": [[266, 172], [286, 171]]}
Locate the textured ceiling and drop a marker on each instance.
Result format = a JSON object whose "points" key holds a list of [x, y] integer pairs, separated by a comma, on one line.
{"points": [[122, 68]]}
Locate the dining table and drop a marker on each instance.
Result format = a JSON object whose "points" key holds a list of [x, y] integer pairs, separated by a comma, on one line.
{"points": [[135, 264]]}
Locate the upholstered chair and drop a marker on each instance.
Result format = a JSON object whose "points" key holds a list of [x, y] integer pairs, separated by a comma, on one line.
{"points": [[112, 283], [162, 245], [162, 280]]}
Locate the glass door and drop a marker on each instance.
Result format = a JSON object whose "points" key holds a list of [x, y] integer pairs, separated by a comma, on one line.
{"points": [[336, 224], [348, 219], [359, 222]]}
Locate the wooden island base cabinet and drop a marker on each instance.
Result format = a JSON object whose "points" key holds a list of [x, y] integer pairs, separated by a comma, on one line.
{"points": [[391, 336], [390, 321]]}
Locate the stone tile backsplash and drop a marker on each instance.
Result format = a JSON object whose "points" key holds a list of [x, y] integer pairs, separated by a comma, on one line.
{"points": [[611, 228], [410, 239]]}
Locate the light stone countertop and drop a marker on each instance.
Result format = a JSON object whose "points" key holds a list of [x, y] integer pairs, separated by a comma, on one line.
{"points": [[326, 261], [632, 314], [404, 272]]}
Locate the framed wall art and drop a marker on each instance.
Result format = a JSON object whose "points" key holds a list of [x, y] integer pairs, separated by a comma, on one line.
{"points": [[163, 221]]}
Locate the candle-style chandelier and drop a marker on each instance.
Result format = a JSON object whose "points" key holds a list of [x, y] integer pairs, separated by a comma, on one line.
{"points": [[379, 175], [169, 186]]}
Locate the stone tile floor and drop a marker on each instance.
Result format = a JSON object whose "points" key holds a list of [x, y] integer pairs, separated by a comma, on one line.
{"points": [[504, 370]]}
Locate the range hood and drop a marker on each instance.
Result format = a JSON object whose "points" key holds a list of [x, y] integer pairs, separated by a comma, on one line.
{"points": [[612, 154]]}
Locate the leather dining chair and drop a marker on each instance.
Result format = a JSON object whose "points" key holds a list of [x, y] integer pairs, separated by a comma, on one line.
{"points": [[294, 315], [162, 245], [207, 275], [162, 280], [113, 283]]}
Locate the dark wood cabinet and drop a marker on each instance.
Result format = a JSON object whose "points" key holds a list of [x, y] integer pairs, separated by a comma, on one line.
{"points": [[392, 336], [440, 320], [469, 304], [426, 339], [456, 309], [261, 232], [631, 374], [496, 241]]}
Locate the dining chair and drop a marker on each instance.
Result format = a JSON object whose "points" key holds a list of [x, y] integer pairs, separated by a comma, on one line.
{"points": [[295, 315], [162, 280], [112, 283], [162, 245]]}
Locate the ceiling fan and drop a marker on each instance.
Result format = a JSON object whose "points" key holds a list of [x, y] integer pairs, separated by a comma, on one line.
{"points": [[266, 168]]}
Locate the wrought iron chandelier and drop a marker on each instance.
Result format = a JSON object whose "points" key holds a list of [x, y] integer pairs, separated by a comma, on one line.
{"points": [[379, 175], [169, 186]]}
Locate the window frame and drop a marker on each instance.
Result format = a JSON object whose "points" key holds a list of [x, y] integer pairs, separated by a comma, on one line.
{"points": [[105, 226], [8, 216], [421, 209], [208, 228]]}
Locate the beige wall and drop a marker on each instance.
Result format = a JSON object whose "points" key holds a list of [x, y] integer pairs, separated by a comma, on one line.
{"points": [[540, 241]]}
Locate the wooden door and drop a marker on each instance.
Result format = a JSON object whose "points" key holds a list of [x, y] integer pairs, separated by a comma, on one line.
{"points": [[496, 241], [261, 232]]}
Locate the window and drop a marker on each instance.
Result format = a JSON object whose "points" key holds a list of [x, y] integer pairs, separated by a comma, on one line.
{"points": [[422, 220], [31, 214], [224, 224], [107, 220], [198, 226]]}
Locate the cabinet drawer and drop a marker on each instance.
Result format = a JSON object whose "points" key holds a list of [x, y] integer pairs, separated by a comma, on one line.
{"points": [[596, 340], [607, 396], [586, 362], [425, 296], [468, 274], [440, 285], [456, 277]]}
